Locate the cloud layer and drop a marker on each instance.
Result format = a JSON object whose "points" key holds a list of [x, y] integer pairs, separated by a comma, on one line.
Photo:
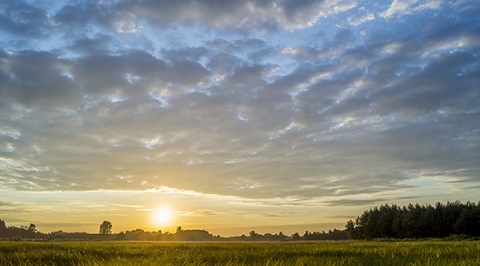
{"points": [[257, 99]]}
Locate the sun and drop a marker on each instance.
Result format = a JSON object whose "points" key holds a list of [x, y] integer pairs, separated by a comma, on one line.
{"points": [[163, 216]]}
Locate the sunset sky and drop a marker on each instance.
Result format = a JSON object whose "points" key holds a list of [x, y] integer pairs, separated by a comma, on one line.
{"points": [[233, 116]]}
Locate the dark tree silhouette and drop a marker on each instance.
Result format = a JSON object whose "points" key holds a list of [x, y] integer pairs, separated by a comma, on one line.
{"points": [[417, 221], [32, 228], [105, 228], [296, 236], [3, 226]]}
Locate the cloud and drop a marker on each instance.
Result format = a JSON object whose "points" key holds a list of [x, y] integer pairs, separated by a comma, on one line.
{"points": [[355, 21], [24, 80], [96, 45], [23, 20], [400, 8], [123, 16], [246, 109], [81, 15], [348, 202], [7, 207], [432, 87]]}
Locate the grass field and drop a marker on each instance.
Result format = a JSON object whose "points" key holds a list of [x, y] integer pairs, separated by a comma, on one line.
{"points": [[292, 253]]}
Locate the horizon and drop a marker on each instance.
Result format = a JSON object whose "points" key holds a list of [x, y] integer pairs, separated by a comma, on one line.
{"points": [[231, 115], [396, 221]]}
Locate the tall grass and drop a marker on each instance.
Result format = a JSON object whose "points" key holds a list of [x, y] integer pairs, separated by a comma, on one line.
{"points": [[317, 253]]}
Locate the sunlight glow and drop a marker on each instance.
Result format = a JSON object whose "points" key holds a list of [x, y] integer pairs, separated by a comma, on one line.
{"points": [[163, 216]]}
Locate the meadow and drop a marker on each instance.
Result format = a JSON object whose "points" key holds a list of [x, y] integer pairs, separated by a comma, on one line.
{"points": [[287, 253]]}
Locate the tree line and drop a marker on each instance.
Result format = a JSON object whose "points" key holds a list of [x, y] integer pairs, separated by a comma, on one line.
{"points": [[105, 233], [386, 221], [417, 221], [23, 231]]}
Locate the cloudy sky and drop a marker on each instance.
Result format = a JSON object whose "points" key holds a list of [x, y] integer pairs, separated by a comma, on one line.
{"points": [[266, 115]]}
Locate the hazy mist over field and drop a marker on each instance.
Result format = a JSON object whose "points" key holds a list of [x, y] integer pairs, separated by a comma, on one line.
{"points": [[232, 116]]}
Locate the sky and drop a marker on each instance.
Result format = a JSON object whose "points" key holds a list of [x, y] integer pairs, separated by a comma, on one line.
{"points": [[233, 116]]}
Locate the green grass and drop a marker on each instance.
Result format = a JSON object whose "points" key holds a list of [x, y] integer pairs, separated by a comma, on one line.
{"points": [[314, 253]]}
